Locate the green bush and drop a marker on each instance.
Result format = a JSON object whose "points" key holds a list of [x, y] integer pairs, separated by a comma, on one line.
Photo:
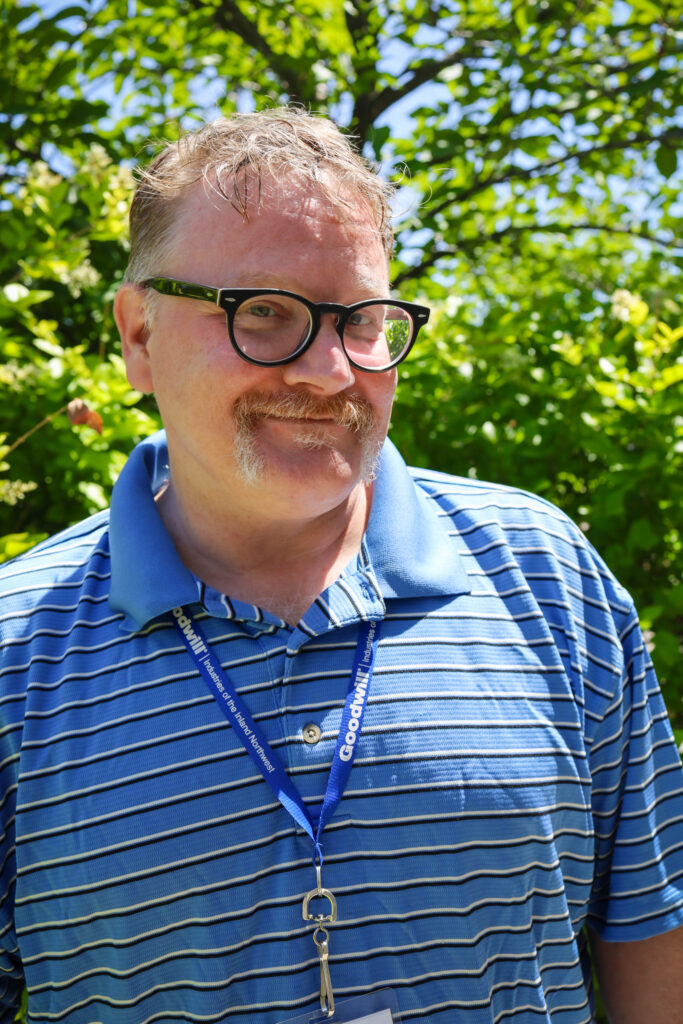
{"points": [[58, 344], [585, 412]]}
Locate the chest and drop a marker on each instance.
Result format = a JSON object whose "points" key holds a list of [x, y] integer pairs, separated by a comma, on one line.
{"points": [[145, 831]]}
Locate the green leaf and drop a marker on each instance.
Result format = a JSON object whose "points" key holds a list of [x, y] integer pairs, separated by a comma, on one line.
{"points": [[379, 138], [14, 544], [520, 17], [642, 535], [666, 160]]}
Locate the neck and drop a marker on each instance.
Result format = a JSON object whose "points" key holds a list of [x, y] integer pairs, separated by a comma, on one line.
{"points": [[279, 565]]}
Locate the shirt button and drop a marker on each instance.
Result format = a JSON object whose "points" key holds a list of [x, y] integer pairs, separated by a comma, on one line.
{"points": [[311, 733]]}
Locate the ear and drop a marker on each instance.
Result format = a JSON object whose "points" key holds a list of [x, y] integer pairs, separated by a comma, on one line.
{"points": [[129, 313]]}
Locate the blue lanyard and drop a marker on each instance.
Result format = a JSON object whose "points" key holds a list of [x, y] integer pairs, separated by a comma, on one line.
{"points": [[255, 743]]}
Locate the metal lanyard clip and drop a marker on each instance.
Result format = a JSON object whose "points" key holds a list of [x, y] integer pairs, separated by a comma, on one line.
{"points": [[329, 918], [326, 993], [321, 937]]}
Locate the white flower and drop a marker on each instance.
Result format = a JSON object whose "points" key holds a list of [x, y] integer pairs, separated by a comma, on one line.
{"points": [[623, 302], [41, 178], [82, 276], [629, 307], [97, 160], [453, 304], [15, 292]]}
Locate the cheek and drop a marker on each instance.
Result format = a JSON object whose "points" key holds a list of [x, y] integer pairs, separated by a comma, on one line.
{"points": [[379, 389], [187, 356]]}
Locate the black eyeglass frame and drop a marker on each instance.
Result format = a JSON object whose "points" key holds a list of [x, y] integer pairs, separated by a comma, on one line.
{"points": [[230, 298]]}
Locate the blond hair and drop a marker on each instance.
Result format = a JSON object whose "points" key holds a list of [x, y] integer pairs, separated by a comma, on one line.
{"points": [[236, 155]]}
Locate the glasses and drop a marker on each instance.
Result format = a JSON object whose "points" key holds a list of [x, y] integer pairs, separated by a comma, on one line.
{"points": [[272, 327]]}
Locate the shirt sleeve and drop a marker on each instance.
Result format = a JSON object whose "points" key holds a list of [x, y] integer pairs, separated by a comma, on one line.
{"points": [[637, 796]]}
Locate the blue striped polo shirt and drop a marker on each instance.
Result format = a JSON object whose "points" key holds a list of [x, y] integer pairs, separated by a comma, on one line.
{"points": [[515, 779]]}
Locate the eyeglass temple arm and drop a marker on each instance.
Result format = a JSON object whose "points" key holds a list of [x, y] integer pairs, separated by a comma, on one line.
{"points": [[167, 286]]}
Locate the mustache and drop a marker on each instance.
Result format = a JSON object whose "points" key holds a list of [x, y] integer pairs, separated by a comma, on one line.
{"points": [[351, 411]]}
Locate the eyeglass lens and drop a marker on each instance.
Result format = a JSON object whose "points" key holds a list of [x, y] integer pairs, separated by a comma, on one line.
{"points": [[273, 327]]}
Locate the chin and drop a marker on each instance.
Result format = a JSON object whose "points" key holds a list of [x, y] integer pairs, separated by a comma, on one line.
{"points": [[314, 461]]}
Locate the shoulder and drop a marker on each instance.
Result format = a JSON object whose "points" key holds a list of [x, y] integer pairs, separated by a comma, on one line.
{"points": [[497, 522], [484, 499], [480, 505]]}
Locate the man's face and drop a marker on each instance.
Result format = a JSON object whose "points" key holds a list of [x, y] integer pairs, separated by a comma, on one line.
{"points": [[305, 432]]}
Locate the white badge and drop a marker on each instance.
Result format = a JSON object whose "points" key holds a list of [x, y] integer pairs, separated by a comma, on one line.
{"points": [[381, 1017], [373, 1008]]}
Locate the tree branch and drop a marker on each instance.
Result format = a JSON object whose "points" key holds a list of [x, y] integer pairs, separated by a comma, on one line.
{"points": [[230, 18], [530, 173], [24, 437], [358, 24], [377, 103], [468, 244], [423, 73]]}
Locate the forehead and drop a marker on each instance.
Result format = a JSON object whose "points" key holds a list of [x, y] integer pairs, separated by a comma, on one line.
{"points": [[284, 226]]}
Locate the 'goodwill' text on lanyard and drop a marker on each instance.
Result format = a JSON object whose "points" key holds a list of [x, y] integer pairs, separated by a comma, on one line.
{"points": [[255, 743]]}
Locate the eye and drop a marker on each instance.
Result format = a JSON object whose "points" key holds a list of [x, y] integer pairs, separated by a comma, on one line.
{"points": [[262, 310], [361, 318]]}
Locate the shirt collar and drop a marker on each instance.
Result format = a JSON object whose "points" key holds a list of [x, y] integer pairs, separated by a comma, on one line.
{"points": [[410, 552], [148, 577]]}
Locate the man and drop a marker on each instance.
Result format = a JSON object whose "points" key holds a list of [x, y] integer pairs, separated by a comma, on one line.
{"points": [[273, 601]]}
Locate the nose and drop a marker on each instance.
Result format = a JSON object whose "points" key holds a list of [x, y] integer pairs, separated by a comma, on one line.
{"points": [[323, 367]]}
